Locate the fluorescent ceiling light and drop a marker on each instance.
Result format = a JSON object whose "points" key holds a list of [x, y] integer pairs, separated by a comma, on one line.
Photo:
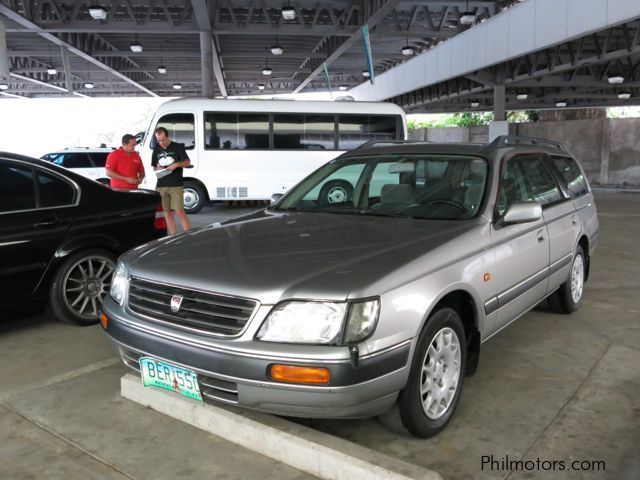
{"points": [[177, 86], [89, 85], [52, 71], [288, 13], [162, 69], [343, 88], [4, 86], [261, 86], [624, 95], [467, 18], [408, 50], [136, 48], [277, 50], [267, 71], [615, 79], [97, 12], [522, 96], [475, 104], [561, 104], [366, 74]]}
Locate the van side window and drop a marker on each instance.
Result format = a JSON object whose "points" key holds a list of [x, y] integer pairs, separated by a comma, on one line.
{"points": [[181, 129], [572, 175], [236, 131], [354, 130]]}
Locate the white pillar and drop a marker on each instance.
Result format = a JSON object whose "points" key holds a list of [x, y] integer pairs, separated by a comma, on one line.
{"points": [[4, 54]]}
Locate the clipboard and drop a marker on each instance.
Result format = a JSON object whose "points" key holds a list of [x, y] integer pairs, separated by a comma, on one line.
{"points": [[162, 173]]}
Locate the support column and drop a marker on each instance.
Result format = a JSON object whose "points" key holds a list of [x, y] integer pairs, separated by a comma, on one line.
{"points": [[67, 71], [4, 54], [605, 153], [499, 126], [206, 53]]}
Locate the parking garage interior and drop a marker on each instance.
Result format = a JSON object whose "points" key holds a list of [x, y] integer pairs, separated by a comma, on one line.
{"points": [[554, 396]]}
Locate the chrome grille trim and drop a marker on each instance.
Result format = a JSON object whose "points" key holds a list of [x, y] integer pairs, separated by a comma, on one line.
{"points": [[200, 311]]}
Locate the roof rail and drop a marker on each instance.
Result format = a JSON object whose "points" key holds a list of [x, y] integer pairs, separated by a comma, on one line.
{"points": [[384, 143], [503, 140]]}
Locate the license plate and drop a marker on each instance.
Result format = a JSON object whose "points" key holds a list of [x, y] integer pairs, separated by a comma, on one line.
{"points": [[156, 373]]}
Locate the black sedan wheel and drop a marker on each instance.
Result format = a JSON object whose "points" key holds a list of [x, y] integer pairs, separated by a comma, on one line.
{"points": [[80, 285]]}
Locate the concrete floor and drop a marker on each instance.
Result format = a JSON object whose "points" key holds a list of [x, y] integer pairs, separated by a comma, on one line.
{"points": [[550, 387]]}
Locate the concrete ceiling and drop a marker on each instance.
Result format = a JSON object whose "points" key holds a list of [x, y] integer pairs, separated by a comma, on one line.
{"points": [[41, 34]]}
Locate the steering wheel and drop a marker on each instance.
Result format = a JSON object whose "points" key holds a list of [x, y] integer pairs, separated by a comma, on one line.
{"points": [[453, 203]]}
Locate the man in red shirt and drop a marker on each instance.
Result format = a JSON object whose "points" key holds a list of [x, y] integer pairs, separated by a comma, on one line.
{"points": [[124, 165]]}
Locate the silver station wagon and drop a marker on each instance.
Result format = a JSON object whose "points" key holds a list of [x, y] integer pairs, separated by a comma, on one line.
{"points": [[373, 281]]}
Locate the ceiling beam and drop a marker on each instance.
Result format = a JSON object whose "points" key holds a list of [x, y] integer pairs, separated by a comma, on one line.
{"points": [[373, 20], [32, 27]]}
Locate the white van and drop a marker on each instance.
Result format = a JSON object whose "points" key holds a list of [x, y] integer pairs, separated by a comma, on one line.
{"points": [[251, 149]]}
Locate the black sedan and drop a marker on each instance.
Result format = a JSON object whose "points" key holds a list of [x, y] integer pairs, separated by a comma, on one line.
{"points": [[60, 235]]}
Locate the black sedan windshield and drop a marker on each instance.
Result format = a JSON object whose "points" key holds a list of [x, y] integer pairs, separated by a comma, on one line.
{"points": [[430, 186]]}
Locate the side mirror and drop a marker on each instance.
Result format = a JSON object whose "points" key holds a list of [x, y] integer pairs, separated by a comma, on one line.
{"points": [[275, 197], [140, 137], [523, 212]]}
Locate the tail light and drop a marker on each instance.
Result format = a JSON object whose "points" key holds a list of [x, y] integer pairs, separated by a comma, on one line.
{"points": [[160, 223]]}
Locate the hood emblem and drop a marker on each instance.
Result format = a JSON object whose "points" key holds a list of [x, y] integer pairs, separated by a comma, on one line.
{"points": [[176, 301]]}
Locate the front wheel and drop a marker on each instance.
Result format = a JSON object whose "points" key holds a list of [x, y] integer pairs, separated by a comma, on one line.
{"points": [[437, 371], [79, 286], [568, 297], [195, 197]]}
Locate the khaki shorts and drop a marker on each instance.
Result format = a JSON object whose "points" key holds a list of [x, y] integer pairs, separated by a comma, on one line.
{"points": [[172, 198]]}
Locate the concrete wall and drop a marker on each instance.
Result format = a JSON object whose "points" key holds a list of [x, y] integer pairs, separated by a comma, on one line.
{"points": [[609, 150]]}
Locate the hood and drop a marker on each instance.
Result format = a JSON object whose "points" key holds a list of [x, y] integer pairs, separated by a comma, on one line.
{"points": [[271, 256]]}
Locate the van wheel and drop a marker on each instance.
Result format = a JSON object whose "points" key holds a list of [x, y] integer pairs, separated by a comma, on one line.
{"points": [[80, 284], [194, 197], [335, 191], [437, 371], [568, 297]]}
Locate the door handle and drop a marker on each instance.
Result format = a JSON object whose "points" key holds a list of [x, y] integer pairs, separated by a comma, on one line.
{"points": [[540, 236], [48, 222]]}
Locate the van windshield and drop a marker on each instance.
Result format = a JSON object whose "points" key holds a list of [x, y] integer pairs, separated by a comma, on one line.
{"points": [[448, 187]]}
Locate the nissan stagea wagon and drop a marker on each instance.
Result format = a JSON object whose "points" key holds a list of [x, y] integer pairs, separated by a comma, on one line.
{"points": [[375, 280]]}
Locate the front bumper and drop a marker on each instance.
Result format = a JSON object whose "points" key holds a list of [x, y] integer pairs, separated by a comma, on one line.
{"points": [[241, 378]]}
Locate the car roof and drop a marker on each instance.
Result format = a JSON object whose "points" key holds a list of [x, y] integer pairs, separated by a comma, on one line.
{"points": [[40, 163]]}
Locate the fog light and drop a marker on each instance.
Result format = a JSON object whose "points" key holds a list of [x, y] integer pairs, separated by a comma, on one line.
{"points": [[305, 375], [104, 320]]}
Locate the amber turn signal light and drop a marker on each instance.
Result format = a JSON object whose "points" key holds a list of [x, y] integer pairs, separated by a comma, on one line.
{"points": [[304, 375], [104, 320]]}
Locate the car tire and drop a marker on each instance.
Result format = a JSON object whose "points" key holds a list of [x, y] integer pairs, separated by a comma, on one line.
{"points": [[335, 191], [431, 395], [568, 297], [195, 197], [80, 284]]}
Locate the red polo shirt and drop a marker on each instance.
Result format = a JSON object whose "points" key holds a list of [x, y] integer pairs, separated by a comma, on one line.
{"points": [[126, 164]]}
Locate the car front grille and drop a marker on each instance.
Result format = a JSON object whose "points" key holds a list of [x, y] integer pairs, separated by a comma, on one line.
{"points": [[201, 311], [212, 389]]}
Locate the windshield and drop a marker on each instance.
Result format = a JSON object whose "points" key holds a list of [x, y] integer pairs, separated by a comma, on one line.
{"points": [[448, 187]]}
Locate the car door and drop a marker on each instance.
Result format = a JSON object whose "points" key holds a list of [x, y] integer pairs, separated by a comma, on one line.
{"points": [[562, 222], [33, 223], [521, 249], [80, 163]]}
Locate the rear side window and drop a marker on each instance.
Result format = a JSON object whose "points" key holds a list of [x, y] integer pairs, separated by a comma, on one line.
{"points": [[99, 159], [572, 176], [54, 192], [16, 188], [70, 160]]}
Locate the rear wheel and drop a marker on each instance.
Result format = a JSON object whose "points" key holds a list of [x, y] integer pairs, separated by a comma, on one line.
{"points": [[437, 370], [79, 286], [568, 297], [335, 192], [195, 197]]}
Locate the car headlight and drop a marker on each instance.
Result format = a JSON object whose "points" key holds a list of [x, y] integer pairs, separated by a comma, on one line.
{"points": [[119, 284], [320, 322], [304, 322], [363, 317]]}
